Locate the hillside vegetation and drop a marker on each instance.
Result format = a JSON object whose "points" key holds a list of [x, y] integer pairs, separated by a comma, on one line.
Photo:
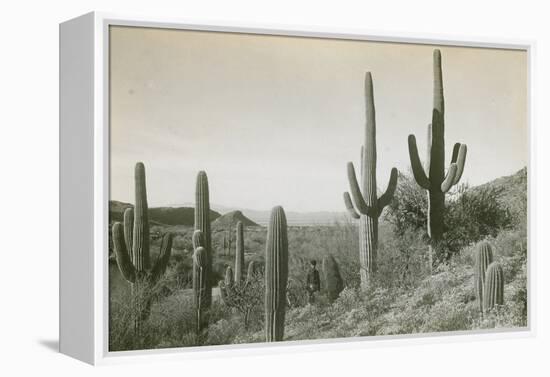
{"points": [[404, 299]]}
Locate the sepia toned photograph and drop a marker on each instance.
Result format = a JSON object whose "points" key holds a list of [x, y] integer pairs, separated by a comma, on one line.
{"points": [[270, 188]]}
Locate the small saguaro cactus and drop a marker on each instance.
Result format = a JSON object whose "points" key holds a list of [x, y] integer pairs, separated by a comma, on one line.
{"points": [[276, 275], [202, 223], [250, 272], [199, 282], [433, 179], [493, 292], [239, 254], [366, 205], [333, 280], [131, 244], [483, 258]]}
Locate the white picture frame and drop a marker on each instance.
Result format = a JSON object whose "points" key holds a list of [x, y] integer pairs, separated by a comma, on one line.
{"points": [[84, 167]]}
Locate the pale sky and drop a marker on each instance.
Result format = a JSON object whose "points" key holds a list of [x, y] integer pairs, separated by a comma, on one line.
{"points": [[274, 120]]}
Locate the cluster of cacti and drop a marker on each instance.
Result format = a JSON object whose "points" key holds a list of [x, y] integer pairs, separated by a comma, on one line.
{"points": [[131, 244], [489, 278], [434, 179], [202, 244], [366, 205], [333, 280], [232, 290], [235, 292], [276, 275]]}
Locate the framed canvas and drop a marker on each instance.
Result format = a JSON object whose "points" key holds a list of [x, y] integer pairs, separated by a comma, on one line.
{"points": [[223, 188]]}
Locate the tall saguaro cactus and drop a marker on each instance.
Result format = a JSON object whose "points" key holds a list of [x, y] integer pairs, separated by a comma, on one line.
{"points": [[202, 223], [434, 179], [131, 243], [239, 255], [276, 275], [493, 293], [483, 258], [366, 205]]}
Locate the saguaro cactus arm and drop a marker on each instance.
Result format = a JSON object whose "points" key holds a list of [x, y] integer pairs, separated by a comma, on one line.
{"points": [[358, 199], [129, 229], [349, 206], [198, 239], [449, 178], [460, 159], [418, 170], [164, 256], [123, 260], [387, 196]]}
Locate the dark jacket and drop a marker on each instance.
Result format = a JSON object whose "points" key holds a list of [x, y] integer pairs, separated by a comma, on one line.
{"points": [[313, 281]]}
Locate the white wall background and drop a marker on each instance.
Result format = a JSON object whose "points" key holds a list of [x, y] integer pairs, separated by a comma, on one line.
{"points": [[29, 189]]}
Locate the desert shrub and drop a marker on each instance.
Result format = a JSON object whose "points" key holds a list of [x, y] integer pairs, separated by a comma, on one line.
{"points": [[402, 261], [407, 212], [171, 320], [343, 244], [246, 298], [472, 215]]}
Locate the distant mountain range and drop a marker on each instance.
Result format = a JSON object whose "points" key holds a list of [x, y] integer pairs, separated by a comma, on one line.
{"points": [[183, 214], [162, 215], [293, 218], [512, 189]]}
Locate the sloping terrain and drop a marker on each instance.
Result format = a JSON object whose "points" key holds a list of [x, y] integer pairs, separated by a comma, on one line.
{"points": [[230, 220]]}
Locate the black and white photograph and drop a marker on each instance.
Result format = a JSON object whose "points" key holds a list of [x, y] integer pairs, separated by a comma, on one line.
{"points": [[272, 188]]}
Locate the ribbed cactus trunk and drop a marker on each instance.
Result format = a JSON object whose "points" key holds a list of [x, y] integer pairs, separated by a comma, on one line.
{"points": [[433, 177], [202, 223], [141, 222], [493, 293], [483, 258], [200, 261], [366, 206], [239, 254], [132, 251], [276, 275]]}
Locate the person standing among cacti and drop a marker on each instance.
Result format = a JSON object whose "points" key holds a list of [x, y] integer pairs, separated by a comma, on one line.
{"points": [[313, 281]]}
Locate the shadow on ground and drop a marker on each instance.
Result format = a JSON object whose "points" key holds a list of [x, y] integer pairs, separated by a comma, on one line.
{"points": [[52, 345]]}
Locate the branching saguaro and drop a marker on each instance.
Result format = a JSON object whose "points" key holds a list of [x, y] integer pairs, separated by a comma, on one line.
{"points": [[132, 251], [434, 179], [276, 275], [366, 206]]}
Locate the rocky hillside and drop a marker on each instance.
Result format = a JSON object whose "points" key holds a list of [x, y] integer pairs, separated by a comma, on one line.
{"points": [[230, 220]]}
